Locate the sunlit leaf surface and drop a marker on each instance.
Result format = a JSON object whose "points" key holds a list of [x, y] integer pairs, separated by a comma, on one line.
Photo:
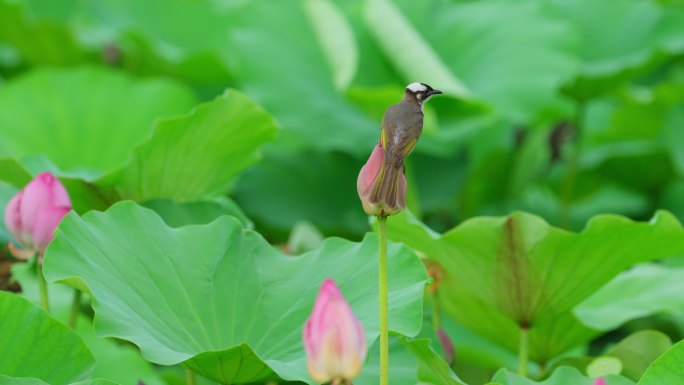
{"points": [[218, 297]]}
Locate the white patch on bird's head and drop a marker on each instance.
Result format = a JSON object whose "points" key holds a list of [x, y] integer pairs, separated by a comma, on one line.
{"points": [[417, 87]]}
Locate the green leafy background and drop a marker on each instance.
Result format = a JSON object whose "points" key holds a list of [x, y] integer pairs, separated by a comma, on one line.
{"points": [[211, 149]]}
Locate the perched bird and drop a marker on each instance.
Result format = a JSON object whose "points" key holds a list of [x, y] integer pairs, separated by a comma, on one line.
{"points": [[381, 183]]}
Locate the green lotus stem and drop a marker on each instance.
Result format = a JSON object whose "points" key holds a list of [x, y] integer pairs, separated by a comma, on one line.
{"points": [[75, 309], [42, 285], [436, 312], [384, 319], [568, 183], [189, 376], [523, 351]]}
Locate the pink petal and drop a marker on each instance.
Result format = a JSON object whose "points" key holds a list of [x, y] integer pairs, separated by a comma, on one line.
{"points": [[369, 171], [600, 381], [43, 193], [45, 225], [12, 217], [333, 337], [23, 254], [373, 164], [447, 345], [315, 327], [36, 197]]}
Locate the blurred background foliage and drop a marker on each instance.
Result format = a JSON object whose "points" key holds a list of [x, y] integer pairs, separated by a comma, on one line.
{"points": [[562, 108]]}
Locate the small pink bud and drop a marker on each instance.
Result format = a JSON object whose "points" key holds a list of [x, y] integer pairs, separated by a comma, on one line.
{"points": [[600, 381], [447, 345], [32, 215], [381, 187], [334, 339]]}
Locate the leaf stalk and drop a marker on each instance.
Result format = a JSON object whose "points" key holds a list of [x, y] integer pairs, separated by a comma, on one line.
{"points": [[523, 351], [384, 306], [75, 309], [42, 285]]}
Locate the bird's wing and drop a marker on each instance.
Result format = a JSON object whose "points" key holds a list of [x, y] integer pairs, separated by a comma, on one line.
{"points": [[401, 128], [411, 143]]}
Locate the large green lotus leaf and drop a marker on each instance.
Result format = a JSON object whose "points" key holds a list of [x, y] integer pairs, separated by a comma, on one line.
{"points": [[319, 188], [36, 345], [518, 271], [198, 154], [403, 44], [12, 172], [5, 380], [639, 292], [38, 41], [84, 194], [479, 43], [561, 376], [208, 19], [199, 212], [70, 111], [295, 81], [667, 369], [619, 40], [116, 361], [304, 237], [188, 157], [60, 296], [6, 193], [146, 43], [133, 36], [474, 350], [432, 368], [217, 296], [637, 351], [636, 128], [248, 38], [637, 133], [671, 198], [412, 361], [130, 366], [548, 338], [402, 370], [336, 39]]}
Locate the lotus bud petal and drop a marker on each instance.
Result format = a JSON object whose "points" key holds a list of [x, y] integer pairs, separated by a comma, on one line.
{"points": [[32, 215], [375, 199], [447, 345], [600, 381], [334, 339]]}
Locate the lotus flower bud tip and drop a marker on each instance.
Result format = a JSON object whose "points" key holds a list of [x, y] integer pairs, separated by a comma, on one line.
{"points": [[334, 339], [32, 215]]}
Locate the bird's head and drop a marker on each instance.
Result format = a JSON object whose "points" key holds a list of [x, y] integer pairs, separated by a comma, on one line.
{"points": [[421, 92]]}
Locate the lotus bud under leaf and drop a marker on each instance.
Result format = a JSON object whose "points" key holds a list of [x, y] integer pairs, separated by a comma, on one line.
{"points": [[447, 345], [334, 339], [32, 215]]}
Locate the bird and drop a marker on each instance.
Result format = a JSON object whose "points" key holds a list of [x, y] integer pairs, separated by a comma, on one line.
{"points": [[402, 125]]}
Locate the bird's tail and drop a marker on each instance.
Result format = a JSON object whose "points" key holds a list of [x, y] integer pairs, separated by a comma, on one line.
{"points": [[390, 187]]}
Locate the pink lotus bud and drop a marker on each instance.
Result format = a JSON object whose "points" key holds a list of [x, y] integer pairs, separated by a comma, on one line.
{"points": [[32, 215], [447, 345], [381, 187], [600, 381], [333, 338]]}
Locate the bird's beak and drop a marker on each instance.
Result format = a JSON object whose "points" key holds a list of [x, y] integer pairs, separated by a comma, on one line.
{"points": [[435, 92]]}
